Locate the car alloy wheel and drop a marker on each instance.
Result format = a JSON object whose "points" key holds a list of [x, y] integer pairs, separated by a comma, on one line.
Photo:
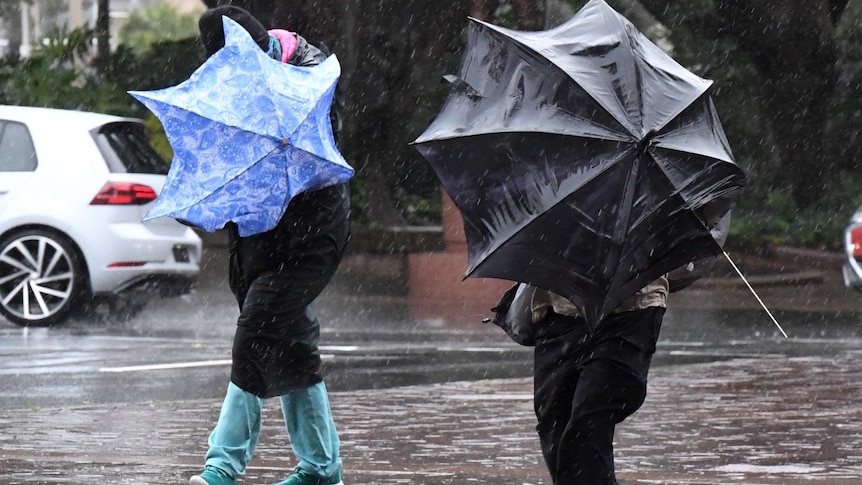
{"points": [[41, 278]]}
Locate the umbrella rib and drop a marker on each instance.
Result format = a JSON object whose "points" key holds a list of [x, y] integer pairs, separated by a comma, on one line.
{"points": [[326, 94], [533, 217], [236, 125], [689, 180], [456, 136], [187, 111], [197, 200], [516, 38], [500, 31], [678, 111]]}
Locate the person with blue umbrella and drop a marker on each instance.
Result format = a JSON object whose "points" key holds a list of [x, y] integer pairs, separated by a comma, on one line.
{"points": [[261, 162]]}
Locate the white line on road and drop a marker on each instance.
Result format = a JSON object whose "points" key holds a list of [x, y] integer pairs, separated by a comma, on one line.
{"points": [[182, 365], [176, 365], [331, 348], [450, 348]]}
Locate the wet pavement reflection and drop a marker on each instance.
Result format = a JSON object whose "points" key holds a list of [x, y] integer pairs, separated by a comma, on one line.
{"points": [[779, 420], [441, 401]]}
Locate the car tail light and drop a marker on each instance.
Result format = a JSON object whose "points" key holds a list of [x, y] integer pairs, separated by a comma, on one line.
{"points": [[127, 264], [856, 241], [123, 193]]}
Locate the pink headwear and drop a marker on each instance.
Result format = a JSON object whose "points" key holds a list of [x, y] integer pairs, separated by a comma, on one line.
{"points": [[288, 42]]}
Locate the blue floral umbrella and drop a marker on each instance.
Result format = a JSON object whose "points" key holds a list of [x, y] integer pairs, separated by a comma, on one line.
{"points": [[249, 133]]}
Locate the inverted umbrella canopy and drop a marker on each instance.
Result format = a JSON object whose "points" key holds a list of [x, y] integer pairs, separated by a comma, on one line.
{"points": [[249, 133], [583, 159]]}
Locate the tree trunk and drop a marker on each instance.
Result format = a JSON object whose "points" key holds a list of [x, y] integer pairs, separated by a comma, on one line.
{"points": [[389, 51], [401, 47], [103, 28]]}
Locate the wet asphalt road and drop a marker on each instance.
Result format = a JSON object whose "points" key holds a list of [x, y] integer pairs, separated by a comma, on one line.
{"points": [[761, 421], [179, 348], [731, 401]]}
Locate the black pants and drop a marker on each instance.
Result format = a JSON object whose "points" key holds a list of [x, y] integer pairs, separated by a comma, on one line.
{"points": [[585, 384]]}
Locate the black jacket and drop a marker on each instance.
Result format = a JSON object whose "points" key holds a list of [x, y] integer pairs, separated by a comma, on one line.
{"points": [[309, 216]]}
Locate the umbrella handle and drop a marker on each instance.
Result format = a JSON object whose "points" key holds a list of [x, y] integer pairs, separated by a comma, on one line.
{"points": [[755, 294]]}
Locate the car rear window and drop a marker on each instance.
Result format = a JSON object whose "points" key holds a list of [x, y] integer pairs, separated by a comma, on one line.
{"points": [[17, 153], [127, 150]]}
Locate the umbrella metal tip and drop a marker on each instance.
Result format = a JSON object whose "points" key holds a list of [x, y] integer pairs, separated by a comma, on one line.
{"points": [[284, 141]]}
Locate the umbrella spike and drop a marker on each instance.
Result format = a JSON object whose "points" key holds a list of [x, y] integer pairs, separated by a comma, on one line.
{"points": [[727, 256]]}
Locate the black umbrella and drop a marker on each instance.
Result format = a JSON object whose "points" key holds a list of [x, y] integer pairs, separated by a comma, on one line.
{"points": [[583, 159]]}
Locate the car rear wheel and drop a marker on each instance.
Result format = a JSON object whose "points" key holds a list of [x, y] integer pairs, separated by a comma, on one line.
{"points": [[42, 278]]}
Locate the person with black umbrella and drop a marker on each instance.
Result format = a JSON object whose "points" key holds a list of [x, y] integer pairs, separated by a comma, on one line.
{"points": [[587, 382], [587, 165]]}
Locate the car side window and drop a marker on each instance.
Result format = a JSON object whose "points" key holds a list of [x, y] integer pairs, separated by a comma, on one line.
{"points": [[17, 153]]}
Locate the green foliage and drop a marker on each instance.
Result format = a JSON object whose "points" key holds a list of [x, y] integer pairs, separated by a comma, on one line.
{"points": [[63, 74], [753, 232], [776, 221], [358, 198], [422, 210], [154, 25], [165, 64], [58, 76], [846, 148], [813, 229], [506, 16]]}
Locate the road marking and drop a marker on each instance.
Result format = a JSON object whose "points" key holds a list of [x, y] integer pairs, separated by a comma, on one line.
{"points": [[182, 365], [450, 348], [177, 365], [330, 348], [495, 396]]}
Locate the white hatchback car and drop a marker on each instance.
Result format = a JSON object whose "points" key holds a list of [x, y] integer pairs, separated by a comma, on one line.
{"points": [[73, 189]]}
